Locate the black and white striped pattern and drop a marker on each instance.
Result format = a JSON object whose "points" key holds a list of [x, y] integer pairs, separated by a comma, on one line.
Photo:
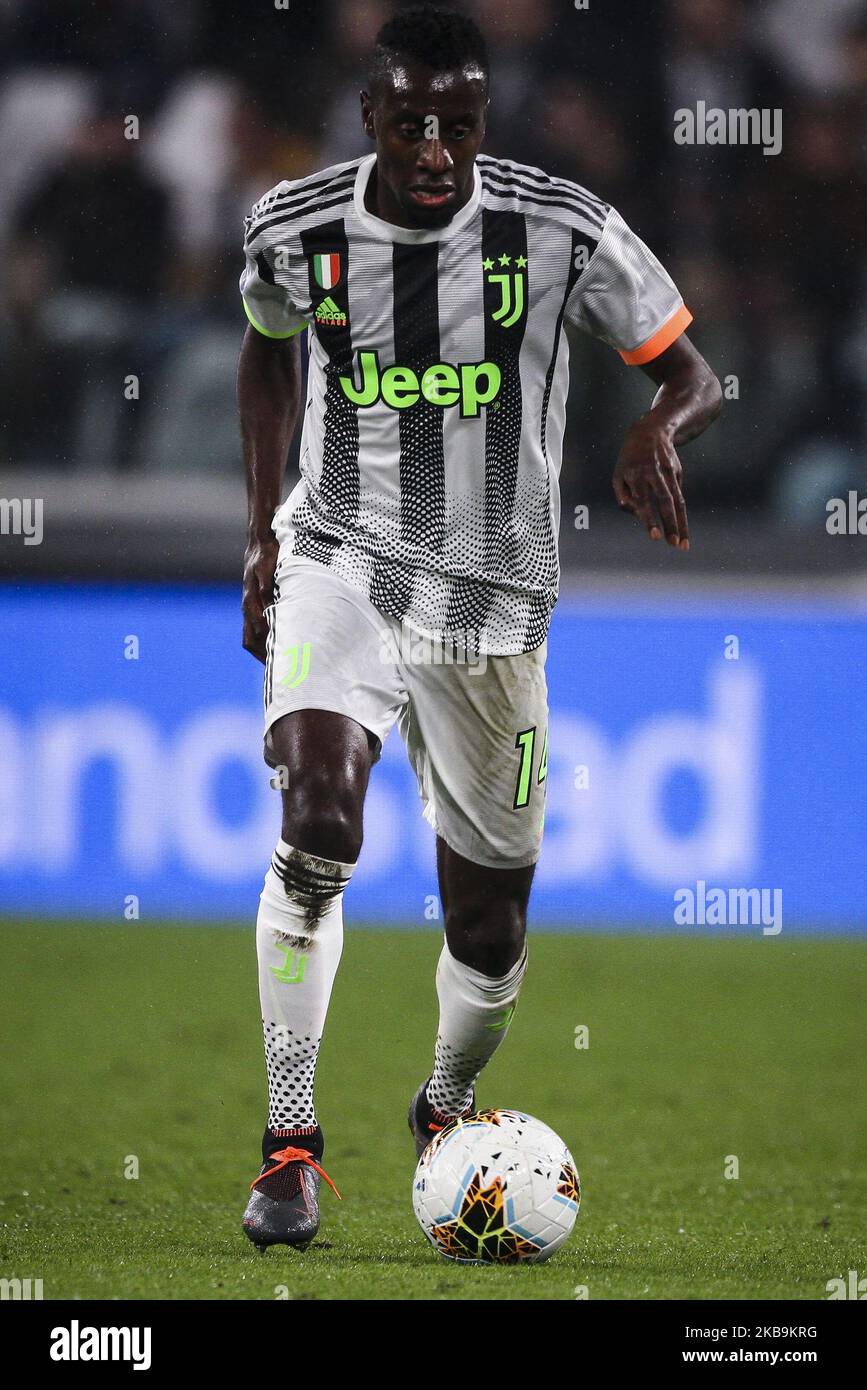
{"points": [[447, 521], [533, 189], [308, 880], [289, 203]]}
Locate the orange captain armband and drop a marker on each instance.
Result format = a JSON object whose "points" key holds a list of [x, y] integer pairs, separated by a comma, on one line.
{"points": [[661, 339]]}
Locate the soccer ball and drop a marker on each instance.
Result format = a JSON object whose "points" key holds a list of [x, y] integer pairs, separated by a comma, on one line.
{"points": [[497, 1187]]}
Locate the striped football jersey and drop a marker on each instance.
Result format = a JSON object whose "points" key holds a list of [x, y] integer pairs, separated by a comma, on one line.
{"points": [[436, 398]]}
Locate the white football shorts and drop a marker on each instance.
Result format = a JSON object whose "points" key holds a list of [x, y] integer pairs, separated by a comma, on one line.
{"points": [[475, 729]]}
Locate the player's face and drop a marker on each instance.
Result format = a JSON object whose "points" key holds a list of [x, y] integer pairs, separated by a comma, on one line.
{"points": [[428, 127]]}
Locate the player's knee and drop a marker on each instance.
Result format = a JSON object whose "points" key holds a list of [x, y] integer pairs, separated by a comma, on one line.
{"points": [[325, 831], [322, 818], [488, 935]]}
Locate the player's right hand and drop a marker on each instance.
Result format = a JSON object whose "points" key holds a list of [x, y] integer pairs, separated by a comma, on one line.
{"points": [[260, 562]]}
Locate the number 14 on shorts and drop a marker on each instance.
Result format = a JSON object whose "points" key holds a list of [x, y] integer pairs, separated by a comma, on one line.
{"points": [[525, 743]]}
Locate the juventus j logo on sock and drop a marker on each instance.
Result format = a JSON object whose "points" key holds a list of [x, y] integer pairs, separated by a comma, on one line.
{"points": [[291, 972]]}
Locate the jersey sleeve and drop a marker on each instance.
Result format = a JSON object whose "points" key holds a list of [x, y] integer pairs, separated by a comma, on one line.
{"points": [[267, 300], [626, 298]]}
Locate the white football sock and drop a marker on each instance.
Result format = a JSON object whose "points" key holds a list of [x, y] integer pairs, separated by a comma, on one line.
{"points": [[299, 939], [475, 1013]]}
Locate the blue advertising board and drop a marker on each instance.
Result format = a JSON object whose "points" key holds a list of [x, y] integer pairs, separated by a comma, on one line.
{"points": [[695, 745]]}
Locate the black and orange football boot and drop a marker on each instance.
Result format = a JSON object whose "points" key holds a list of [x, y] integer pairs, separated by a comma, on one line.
{"points": [[283, 1208], [425, 1122]]}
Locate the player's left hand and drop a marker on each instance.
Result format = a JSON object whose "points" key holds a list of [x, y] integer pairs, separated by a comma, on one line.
{"points": [[647, 483]]}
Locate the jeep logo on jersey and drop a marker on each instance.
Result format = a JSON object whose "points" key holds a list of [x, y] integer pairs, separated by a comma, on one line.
{"points": [[326, 270], [467, 384]]}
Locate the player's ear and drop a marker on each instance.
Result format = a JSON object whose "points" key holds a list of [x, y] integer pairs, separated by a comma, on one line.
{"points": [[367, 115]]}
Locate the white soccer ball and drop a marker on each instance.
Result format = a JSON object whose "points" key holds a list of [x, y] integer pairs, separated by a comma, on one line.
{"points": [[496, 1187]]}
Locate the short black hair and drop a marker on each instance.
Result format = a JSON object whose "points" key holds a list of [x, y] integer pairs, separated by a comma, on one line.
{"points": [[438, 38]]}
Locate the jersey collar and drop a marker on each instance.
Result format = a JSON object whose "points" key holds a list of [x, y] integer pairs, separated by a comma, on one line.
{"points": [[387, 231]]}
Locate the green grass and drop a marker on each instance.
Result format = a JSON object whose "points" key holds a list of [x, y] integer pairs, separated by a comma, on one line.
{"points": [[144, 1040]]}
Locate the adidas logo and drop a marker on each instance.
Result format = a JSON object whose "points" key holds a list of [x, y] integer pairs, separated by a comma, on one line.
{"points": [[329, 313]]}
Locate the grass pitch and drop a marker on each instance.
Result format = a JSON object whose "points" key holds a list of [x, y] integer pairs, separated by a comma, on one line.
{"points": [[144, 1041]]}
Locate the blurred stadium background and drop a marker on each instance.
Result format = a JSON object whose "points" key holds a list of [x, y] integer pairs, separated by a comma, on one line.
{"points": [[129, 715], [707, 710]]}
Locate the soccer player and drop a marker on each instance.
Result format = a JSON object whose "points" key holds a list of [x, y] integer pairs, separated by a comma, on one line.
{"points": [[411, 574]]}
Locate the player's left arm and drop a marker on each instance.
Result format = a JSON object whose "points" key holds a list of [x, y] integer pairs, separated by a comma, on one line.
{"points": [[648, 478], [624, 296]]}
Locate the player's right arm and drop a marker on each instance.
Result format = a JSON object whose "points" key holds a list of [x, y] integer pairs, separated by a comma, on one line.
{"points": [[269, 398]]}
